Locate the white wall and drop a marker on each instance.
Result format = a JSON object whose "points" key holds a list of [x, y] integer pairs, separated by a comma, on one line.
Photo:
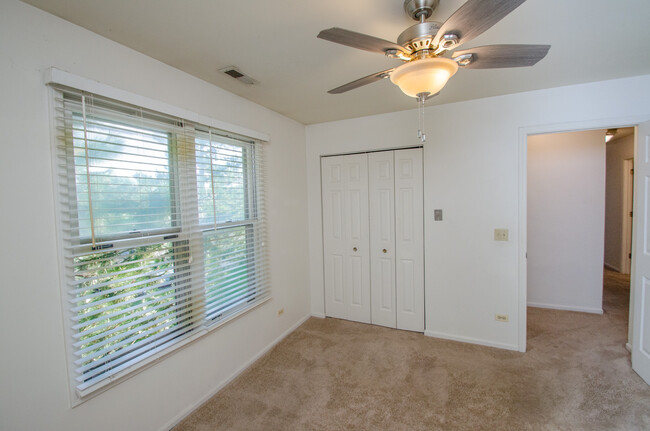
{"points": [[474, 169], [617, 151], [33, 372], [566, 220]]}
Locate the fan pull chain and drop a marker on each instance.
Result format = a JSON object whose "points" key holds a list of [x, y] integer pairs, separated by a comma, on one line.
{"points": [[421, 135]]}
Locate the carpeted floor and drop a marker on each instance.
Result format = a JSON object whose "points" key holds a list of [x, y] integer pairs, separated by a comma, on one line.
{"points": [[337, 375]]}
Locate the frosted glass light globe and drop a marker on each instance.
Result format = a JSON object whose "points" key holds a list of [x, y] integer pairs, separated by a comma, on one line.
{"points": [[428, 75]]}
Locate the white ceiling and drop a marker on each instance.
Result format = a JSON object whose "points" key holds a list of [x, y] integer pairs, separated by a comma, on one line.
{"points": [[274, 41]]}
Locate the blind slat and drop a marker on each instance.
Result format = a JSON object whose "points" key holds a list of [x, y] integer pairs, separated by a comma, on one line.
{"points": [[92, 370]]}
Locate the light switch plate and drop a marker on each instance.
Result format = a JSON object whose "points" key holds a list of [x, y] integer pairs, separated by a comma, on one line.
{"points": [[501, 234]]}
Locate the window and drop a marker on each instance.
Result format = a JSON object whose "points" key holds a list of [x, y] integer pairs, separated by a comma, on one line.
{"points": [[162, 232], [226, 169]]}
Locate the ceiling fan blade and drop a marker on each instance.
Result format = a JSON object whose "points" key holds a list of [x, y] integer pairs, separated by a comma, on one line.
{"points": [[359, 40], [362, 81], [475, 17], [499, 56]]}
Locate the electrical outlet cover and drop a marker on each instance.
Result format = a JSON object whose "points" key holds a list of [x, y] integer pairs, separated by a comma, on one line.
{"points": [[501, 234]]}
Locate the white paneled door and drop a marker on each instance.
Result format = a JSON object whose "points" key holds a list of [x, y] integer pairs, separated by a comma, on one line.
{"points": [[345, 230], [390, 253], [641, 257], [382, 238], [409, 239]]}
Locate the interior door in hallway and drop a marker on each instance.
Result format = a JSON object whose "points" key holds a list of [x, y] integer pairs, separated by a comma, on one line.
{"points": [[641, 256], [628, 205], [345, 237]]}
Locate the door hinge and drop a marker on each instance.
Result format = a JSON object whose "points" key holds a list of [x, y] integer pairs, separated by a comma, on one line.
{"points": [[632, 171], [629, 255], [630, 213]]}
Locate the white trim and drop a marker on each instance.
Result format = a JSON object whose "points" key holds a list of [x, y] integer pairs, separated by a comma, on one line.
{"points": [[579, 126], [56, 190], [524, 132], [183, 414], [628, 186], [470, 340], [60, 77], [318, 315], [522, 256], [628, 347], [566, 307], [102, 386], [612, 267]]}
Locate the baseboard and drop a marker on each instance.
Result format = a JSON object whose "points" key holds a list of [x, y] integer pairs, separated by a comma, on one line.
{"points": [[319, 315], [471, 340], [178, 418], [566, 308], [628, 346], [612, 267]]}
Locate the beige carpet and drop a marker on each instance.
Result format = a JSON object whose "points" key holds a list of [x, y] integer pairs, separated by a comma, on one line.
{"points": [[336, 375]]}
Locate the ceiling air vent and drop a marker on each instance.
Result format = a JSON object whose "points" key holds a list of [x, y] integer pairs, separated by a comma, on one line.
{"points": [[233, 72]]}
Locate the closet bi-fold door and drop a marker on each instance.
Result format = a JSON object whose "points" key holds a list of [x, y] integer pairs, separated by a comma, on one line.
{"points": [[397, 239], [346, 237], [409, 239], [381, 175]]}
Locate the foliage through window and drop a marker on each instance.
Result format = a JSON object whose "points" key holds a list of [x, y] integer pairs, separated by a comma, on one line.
{"points": [[162, 232]]}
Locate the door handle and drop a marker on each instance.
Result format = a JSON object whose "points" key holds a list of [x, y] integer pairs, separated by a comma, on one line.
{"points": [[384, 250], [354, 249]]}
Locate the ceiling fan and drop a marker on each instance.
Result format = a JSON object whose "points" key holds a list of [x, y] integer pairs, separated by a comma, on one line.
{"points": [[423, 47]]}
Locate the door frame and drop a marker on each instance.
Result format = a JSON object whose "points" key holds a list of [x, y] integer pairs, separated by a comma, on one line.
{"points": [[628, 223], [522, 148]]}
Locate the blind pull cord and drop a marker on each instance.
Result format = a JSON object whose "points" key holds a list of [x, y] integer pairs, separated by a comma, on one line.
{"points": [[90, 199], [214, 197]]}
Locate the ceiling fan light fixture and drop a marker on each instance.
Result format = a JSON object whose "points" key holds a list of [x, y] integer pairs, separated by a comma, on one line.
{"points": [[427, 75]]}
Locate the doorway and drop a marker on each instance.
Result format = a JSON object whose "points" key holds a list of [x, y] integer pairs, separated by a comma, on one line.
{"points": [[639, 309], [566, 220], [525, 251]]}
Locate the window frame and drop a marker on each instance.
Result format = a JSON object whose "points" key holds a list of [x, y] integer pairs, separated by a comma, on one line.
{"points": [[249, 221], [176, 233], [174, 198]]}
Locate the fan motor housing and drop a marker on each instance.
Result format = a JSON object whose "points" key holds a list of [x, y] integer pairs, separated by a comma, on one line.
{"points": [[420, 10], [419, 37]]}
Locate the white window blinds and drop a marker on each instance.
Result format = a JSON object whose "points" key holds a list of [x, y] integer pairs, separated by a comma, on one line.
{"points": [[162, 232], [229, 217]]}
